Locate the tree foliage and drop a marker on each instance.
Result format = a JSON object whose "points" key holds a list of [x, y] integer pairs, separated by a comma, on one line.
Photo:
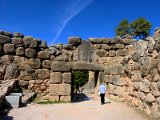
{"points": [[123, 28], [138, 28], [80, 77]]}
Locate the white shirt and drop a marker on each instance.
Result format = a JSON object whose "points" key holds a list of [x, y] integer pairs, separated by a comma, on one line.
{"points": [[102, 89]]}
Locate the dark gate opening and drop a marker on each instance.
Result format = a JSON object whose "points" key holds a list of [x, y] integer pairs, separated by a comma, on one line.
{"points": [[84, 83]]}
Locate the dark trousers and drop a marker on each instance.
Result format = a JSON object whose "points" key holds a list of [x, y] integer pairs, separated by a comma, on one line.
{"points": [[102, 98]]}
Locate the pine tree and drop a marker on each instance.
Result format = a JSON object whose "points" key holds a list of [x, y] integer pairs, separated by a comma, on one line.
{"points": [[123, 28]]}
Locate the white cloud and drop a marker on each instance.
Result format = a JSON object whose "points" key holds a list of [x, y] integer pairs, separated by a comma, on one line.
{"points": [[73, 9]]}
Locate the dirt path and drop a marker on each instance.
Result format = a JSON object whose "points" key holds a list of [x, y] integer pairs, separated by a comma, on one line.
{"points": [[86, 110]]}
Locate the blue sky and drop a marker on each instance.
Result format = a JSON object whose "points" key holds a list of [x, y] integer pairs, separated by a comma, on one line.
{"points": [[56, 20]]}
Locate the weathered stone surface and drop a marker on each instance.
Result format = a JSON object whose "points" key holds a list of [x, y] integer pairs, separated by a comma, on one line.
{"points": [[66, 78], [74, 40], [34, 63], [43, 55], [64, 58], [9, 49], [118, 46], [23, 83], [61, 66], [98, 46], [157, 32], [43, 44], [122, 52], [12, 72], [155, 111], [46, 64], [137, 76], [158, 85], [65, 98], [87, 66], [112, 53], [135, 56], [115, 79], [141, 95], [105, 46], [42, 74], [144, 86], [1, 50], [116, 90], [28, 74], [54, 98], [100, 40], [2, 71], [68, 47], [158, 67], [17, 41], [150, 98], [114, 69], [60, 89], [30, 42], [5, 33], [127, 41], [85, 51], [101, 53], [20, 51], [108, 78], [6, 59], [4, 39], [55, 77], [43, 87], [30, 53], [53, 50]]}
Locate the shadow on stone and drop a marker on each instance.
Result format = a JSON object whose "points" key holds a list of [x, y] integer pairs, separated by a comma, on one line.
{"points": [[79, 98]]}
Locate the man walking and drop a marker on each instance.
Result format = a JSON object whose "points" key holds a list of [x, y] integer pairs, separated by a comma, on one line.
{"points": [[102, 90]]}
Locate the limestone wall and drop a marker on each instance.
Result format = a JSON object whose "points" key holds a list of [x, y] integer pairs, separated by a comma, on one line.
{"points": [[131, 69]]}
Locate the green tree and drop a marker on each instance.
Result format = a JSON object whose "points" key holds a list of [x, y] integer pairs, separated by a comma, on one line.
{"points": [[80, 77], [123, 28], [140, 28]]}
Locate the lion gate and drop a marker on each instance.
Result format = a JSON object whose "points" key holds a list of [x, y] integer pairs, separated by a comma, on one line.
{"points": [[130, 68]]}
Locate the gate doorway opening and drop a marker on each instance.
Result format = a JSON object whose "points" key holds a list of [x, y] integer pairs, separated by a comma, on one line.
{"points": [[84, 84]]}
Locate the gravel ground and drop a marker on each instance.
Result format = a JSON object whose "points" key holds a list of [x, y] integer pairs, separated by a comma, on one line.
{"points": [[86, 110]]}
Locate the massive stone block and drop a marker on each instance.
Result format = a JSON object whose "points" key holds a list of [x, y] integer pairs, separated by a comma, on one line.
{"points": [[30, 53], [43, 55], [66, 78], [74, 40], [87, 66], [137, 76], [60, 89], [65, 98], [17, 41], [20, 51], [9, 49], [42, 74], [55, 77], [112, 53], [85, 51], [46, 64], [12, 72], [30, 42], [118, 46], [34, 63], [121, 52], [61, 66], [4, 39], [100, 40], [114, 70]]}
